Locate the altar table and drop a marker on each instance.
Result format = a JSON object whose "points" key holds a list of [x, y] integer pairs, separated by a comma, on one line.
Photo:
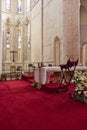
{"points": [[41, 74]]}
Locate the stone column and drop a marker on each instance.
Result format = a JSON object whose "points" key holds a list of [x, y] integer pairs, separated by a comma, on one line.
{"points": [[0, 39], [42, 28], [71, 25]]}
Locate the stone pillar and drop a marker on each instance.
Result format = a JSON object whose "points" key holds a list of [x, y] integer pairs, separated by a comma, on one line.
{"points": [[71, 25], [0, 39]]}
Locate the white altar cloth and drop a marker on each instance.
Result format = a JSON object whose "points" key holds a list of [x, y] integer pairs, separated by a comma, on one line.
{"points": [[40, 74]]}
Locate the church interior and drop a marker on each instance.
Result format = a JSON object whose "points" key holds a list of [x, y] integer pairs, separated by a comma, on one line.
{"points": [[43, 64]]}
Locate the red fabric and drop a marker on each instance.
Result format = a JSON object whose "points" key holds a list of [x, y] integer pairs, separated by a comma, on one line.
{"points": [[69, 64], [33, 109], [3, 86], [29, 78]]}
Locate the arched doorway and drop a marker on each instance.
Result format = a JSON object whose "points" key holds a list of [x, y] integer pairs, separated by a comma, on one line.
{"points": [[84, 54], [83, 32], [56, 51]]}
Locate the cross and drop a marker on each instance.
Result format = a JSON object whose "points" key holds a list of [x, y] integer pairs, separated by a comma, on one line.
{"points": [[13, 52]]}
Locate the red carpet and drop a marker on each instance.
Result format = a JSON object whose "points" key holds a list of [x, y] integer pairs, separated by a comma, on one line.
{"points": [[32, 109], [28, 77]]}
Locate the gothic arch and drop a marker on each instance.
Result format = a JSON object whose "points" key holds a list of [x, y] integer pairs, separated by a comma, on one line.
{"points": [[7, 45], [27, 38], [83, 32], [8, 24], [19, 39], [84, 53], [56, 50]]}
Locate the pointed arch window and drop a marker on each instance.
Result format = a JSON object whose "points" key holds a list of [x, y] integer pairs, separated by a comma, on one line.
{"points": [[8, 40], [19, 40], [28, 34], [27, 24], [8, 35], [19, 6], [28, 5], [19, 34], [8, 5], [19, 27]]}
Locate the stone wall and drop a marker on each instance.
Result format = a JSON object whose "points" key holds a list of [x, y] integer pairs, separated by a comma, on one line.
{"points": [[58, 30], [36, 32], [61, 18], [52, 28], [23, 56], [83, 22], [71, 28], [46, 24]]}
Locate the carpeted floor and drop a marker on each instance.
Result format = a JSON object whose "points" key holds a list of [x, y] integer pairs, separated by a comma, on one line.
{"points": [[25, 108]]}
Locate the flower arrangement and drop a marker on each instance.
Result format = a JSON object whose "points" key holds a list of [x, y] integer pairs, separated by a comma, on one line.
{"points": [[80, 91]]}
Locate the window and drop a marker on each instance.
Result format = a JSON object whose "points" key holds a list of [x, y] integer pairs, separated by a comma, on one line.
{"points": [[8, 35], [19, 6], [8, 5], [19, 27], [8, 40], [28, 5], [28, 34], [19, 40]]}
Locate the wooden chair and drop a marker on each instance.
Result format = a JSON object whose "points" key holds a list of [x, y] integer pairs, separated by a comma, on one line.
{"points": [[31, 68], [13, 72], [3, 77], [50, 65], [67, 74], [19, 72]]}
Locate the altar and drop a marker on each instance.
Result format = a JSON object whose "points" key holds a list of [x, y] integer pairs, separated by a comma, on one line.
{"points": [[41, 75]]}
